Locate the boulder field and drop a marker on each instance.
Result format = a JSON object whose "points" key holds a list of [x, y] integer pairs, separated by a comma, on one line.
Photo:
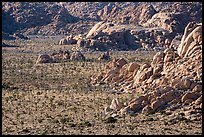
{"points": [[172, 80]]}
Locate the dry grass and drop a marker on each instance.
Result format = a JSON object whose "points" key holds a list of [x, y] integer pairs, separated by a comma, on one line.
{"points": [[58, 98]]}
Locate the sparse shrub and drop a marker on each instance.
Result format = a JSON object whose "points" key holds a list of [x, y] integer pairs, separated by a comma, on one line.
{"points": [[110, 120]]}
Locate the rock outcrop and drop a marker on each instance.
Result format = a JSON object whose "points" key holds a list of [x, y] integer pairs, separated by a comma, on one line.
{"points": [[68, 40], [133, 14], [35, 18], [60, 56], [173, 77], [191, 40], [109, 36], [106, 36], [77, 56], [44, 58], [53, 18], [175, 17]]}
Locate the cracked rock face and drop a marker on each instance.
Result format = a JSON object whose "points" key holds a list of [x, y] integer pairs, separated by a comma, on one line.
{"points": [[191, 41]]}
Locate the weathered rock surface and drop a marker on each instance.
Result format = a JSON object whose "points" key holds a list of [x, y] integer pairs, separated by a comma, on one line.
{"points": [[191, 40], [110, 36], [170, 78], [175, 17]]}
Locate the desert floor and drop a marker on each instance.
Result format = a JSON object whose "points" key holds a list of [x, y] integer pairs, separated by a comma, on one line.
{"points": [[57, 98]]}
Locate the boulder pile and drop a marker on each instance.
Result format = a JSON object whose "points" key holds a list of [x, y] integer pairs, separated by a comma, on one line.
{"points": [[108, 36], [173, 78], [151, 39], [133, 14], [105, 35], [176, 17], [77, 55], [68, 40], [169, 21], [60, 56]]}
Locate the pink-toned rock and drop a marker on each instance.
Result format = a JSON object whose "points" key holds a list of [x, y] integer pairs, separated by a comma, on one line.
{"points": [[197, 88], [151, 79], [113, 71], [191, 34], [109, 78], [71, 40], [168, 96], [169, 57], [167, 50], [44, 59], [175, 81], [135, 106], [174, 101], [142, 75], [188, 95], [63, 42], [198, 101], [115, 79], [184, 83], [77, 55], [116, 104], [125, 110], [80, 43], [147, 109], [187, 101], [193, 84], [167, 42], [120, 62], [162, 81], [139, 99], [168, 79], [96, 29], [158, 58], [142, 67], [124, 70], [133, 66], [157, 69], [156, 104]]}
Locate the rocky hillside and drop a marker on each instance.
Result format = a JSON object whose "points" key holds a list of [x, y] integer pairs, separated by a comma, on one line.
{"points": [[53, 18], [35, 18], [173, 80]]}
